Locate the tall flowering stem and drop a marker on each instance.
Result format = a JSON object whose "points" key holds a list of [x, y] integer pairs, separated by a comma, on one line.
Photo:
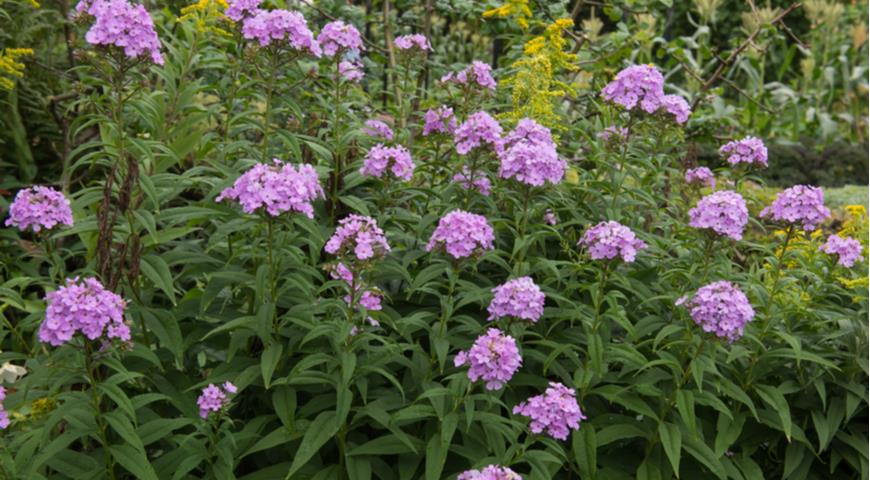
{"points": [[91, 370]]}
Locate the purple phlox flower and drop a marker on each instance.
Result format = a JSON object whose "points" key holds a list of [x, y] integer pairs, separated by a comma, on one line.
{"points": [[83, 306], [701, 176], [380, 158], [277, 188], [462, 234], [550, 217], [847, 249], [801, 204], [439, 120], [528, 154], [724, 212], [214, 398], [4, 415], [610, 239], [267, 26], [750, 150], [494, 357], [39, 208], [556, 412], [637, 84], [479, 130], [121, 24], [478, 181], [238, 9], [490, 472], [415, 42], [720, 308], [613, 135], [378, 129], [478, 73], [337, 37], [520, 298], [359, 236], [352, 71]]}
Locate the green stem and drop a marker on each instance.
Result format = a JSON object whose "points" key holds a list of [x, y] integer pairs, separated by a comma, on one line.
{"points": [[267, 112], [336, 133], [90, 367]]}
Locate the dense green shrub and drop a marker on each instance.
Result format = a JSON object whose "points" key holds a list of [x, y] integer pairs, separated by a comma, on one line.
{"points": [[326, 383]]}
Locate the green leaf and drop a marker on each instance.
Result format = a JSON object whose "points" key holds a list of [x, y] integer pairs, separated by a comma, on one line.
{"points": [[438, 447], [585, 449], [672, 442], [269, 361], [134, 461], [703, 454], [686, 407], [773, 397], [156, 269], [320, 431]]}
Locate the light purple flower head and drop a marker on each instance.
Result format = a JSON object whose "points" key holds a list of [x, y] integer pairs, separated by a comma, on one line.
{"points": [[801, 204], [415, 43], [478, 131], [494, 357], [124, 25], [720, 308], [238, 9], [750, 150], [700, 176], [83, 306], [267, 26], [358, 236], [528, 154], [490, 472], [550, 218], [847, 249], [611, 239], [338, 37], [380, 158], [462, 234], [439, 120], [478, 181], [642, 84], [676, 106], [613, 135], [4, 415], [352, 71], [520, 298], [39, 208], [724, 212], [276, 188], [214, 398], [556, 411], [478, 74], [378, 129]]}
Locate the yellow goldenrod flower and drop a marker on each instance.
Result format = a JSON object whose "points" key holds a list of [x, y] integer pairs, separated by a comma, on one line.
{"points": [[518, 9], [206, 14], [11, 67]]}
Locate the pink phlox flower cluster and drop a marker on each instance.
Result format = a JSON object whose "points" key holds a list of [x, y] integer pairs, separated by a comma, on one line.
{"points": [[415, 41], [378, 129], [478, 181], [83, 306], [352, 71], [380, 158], [610, 239], [520, 298], [801, 204], [121, 24], [750, 150], [529, 155], [337, 37], [721, 308], [477, 73], [360, 236], [724, 212], [238, 9], [277, 188], [480, 129], [39, 208], [214, 398], [462, 234], [644, 85], [494, 357], [490, 472], [701, 176], [556, 411], [267, 26], [439, 120], [4, 415], [847, 249]]}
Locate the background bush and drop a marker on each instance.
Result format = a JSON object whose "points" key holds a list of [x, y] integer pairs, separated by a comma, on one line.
{"points": [[662, 399]]}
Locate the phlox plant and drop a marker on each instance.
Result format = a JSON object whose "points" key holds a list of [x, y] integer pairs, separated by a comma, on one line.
{"points": [[297, 245]]}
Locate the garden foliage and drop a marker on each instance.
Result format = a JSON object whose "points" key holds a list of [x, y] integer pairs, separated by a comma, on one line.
{"points": [[277, 248]]}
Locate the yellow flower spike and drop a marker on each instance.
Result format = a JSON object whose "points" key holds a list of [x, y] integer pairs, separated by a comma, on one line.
{"points": [[11, 67], [518, 9], [205, 14]]}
